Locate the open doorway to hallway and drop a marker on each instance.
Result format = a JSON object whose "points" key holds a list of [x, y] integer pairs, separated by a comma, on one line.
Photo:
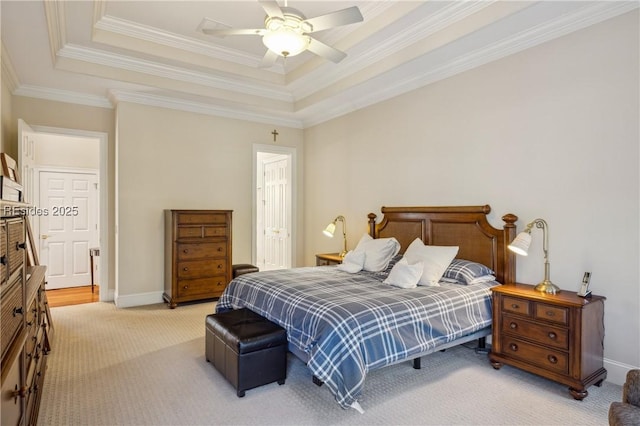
{"points": [[274, 218], [66, 170]]}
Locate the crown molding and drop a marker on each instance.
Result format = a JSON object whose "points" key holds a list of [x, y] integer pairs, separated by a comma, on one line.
{"points": [[101, 57], [62, 96], [239, 113], [55, 13], [379, 88], [399, 40], [164, 38], [9, 76], [394, 84]]}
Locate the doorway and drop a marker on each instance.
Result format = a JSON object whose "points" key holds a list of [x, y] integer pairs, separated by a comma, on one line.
{"points": [[273, 207], [65, 151]]}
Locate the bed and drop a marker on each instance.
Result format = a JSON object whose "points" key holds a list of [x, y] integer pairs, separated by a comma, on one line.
{"points": [[343, 325]]}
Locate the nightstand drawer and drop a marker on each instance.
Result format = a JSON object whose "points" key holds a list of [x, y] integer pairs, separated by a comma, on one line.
{"points": [[516, 305], [540, 333], [551, 313], [546, 358]]}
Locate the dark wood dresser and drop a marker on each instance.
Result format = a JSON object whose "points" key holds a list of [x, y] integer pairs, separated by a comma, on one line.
{"points": [[25, 326], [559, 337], [197, 254]]}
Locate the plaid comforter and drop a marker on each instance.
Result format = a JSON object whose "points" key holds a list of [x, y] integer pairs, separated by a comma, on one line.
{"points": [[349, 324]]}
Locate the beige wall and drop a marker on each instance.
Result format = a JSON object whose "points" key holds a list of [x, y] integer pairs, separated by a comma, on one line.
{"points": [[6, 118], [177, 160], [67, 151], [551, 132]]}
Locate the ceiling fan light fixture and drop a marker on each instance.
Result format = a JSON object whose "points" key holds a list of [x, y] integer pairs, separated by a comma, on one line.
{"points": [[286, 41]]}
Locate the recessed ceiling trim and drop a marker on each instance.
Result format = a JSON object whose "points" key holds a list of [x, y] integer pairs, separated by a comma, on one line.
{"points": [[101, 57], [395, 83], [62, 96], [9, 76], [56, 26], [201, 108], [400, 40], [164, 38]]}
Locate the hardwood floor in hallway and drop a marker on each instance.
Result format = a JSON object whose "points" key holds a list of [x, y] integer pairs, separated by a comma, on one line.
{"points": [[72, 296]]}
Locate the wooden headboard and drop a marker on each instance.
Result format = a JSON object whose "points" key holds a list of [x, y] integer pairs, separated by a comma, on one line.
{"points": [[463, 226]]}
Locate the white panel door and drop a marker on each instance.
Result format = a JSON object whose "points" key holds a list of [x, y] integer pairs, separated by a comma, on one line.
{"points": [[277, 238], [68, 226]]}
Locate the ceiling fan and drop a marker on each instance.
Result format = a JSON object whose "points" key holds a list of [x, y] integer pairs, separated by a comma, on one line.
{"points": [[286, 31]]}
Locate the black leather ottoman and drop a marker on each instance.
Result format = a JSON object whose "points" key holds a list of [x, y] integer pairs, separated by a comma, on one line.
{"points": [[243, 268], [249, 350]]}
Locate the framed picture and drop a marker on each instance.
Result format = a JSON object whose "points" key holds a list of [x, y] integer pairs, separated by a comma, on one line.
{"points": [[9, 168]]}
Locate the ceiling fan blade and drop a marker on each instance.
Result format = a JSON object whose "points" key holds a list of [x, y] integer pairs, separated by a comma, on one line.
{"points": [[232, 31], [269, 59], [272, 8], [326, 51], [346, 16]]}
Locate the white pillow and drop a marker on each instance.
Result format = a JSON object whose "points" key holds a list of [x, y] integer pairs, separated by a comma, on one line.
{"points": [[404, 275], [436, 259], [352, 262], [378, 252], [482, 279]]}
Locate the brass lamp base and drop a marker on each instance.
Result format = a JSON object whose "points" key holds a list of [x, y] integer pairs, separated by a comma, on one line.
{"points": [[547, 287]]}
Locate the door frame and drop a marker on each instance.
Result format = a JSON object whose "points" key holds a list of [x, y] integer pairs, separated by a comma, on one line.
{"points": [[291, 152], [106, 293]]}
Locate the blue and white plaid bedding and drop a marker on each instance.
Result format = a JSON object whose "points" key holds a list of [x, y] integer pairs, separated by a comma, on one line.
{"points": [[349, 324]]}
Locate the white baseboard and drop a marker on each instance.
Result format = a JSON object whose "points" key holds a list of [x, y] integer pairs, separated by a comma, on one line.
{"points": [[129, 301], [617, 371]]}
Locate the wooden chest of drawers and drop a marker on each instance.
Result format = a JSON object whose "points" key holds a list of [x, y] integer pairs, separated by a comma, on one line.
{"points": [[25, 325], [197, 254], [559, 336]]}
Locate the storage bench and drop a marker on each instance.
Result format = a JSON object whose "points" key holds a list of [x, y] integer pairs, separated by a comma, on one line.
{"points": [[243, 268], [249, 350]]}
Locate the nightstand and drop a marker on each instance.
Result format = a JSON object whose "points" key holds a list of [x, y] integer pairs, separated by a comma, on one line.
{"points": [[328, 259], [559, 337]]}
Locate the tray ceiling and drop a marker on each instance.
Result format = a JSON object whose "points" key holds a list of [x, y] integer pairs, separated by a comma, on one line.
{"points": [[154, 52]]}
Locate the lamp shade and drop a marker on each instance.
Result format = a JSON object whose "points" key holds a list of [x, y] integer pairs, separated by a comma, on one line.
{"points": [[520, 245], [330, 229], [286, 41]]}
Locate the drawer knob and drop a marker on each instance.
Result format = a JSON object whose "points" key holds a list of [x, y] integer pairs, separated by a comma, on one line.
{"points": [[513, 347], [20, 246], [185, 269], [513, 325], [552, 335], [219, 266], [19, 392], [515, 306], [185, 251], [552, 359], [3, 260], [550, 313], [186, 287], [17, 311]]}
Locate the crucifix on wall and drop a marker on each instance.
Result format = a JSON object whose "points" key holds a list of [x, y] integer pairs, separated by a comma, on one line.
{"points": [[275, 134]]}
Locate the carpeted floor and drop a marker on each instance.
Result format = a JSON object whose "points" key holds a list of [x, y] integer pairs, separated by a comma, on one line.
{"points": [[146, 366]]}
